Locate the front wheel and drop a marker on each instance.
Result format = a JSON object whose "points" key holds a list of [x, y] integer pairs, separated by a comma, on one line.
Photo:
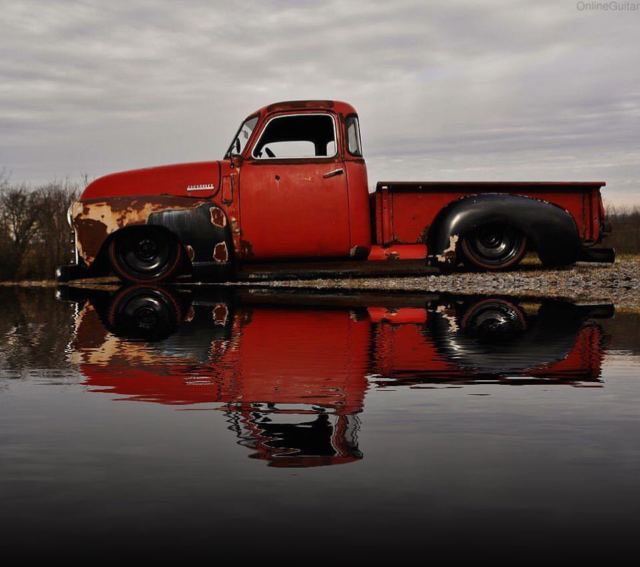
{"points": [[145, 255], [144, 312], [493, 247]]}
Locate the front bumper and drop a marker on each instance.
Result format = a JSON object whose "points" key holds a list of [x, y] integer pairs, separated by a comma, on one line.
{"points": [[70, 272]]}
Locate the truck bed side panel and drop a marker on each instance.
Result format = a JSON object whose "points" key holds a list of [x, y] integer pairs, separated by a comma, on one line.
{"points": [[405, 211]]}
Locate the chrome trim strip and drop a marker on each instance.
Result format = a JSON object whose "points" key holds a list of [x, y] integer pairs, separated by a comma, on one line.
{"points": [[201, 187]]}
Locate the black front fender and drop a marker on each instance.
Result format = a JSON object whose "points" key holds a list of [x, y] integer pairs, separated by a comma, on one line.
{"points": [[551, 230], [206, 236]]}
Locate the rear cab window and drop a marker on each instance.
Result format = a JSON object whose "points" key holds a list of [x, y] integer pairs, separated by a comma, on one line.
{"points": [[354, 144]]}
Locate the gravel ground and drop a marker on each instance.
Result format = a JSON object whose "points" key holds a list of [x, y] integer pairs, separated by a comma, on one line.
{"points": [[618, 283]]}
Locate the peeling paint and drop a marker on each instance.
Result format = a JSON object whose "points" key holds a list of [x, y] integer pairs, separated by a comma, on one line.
{"points": [[218, 218], [218, 348], [94, 221], [220, 314], [354, 251], [449, 318], [221, 253], [449, 253], [235, 228]]}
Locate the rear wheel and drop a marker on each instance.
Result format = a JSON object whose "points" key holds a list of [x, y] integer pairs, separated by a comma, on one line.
{"points": [[493, 320], [493, 247], [145, 255]]}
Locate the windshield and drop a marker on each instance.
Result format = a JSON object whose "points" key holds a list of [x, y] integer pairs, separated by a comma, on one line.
{"points": [[242, 137]]}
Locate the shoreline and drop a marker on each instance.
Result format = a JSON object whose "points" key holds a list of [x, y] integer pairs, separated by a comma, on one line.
{"points": [[618, 283]]}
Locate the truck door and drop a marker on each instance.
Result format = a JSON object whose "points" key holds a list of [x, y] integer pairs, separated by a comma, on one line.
{"points": [[293, 191]]}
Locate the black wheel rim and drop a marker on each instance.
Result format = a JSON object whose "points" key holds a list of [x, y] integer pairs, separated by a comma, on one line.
{"points": [[146, 254], [495, 244], [493, 321], [144, 313]]}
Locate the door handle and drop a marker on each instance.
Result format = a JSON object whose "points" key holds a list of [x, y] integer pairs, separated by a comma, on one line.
{"points": [[333, 173]]}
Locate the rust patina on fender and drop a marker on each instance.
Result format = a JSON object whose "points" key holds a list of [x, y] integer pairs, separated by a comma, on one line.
{"points": [[199, 225]]}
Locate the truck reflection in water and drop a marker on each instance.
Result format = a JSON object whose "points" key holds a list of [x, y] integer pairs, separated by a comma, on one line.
{"points": [[291, 370]]}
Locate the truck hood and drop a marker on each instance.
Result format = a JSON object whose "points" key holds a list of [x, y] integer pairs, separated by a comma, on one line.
{"points": [[200, 179]]}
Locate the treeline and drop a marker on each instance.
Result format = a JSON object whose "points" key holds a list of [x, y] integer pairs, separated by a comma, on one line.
{"points": [[625, 236], [35, 237]]}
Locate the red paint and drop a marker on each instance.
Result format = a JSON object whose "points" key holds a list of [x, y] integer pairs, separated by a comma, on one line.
{"points": [[166, 179], [403, 215], [288, 209], [401, 316], [398, 252]]}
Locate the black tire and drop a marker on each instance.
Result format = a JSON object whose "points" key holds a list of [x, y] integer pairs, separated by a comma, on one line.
{"points": [[493, 320], [145, 255], [493, 247], [549, 261]]}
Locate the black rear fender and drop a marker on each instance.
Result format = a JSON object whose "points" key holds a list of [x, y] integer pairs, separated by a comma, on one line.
{"points": [[550, 229]]}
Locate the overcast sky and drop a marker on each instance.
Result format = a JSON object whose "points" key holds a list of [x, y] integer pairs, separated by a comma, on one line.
{"points": [[445, 90]]}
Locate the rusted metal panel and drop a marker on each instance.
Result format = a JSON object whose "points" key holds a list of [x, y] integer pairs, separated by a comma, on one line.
{"points": [[95, 219], [221, 253], [218, 218]]}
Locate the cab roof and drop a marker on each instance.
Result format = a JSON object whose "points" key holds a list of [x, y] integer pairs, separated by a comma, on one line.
{"points": [[335, 105]]}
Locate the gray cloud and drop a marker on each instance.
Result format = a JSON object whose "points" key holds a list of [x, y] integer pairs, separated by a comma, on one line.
{"points": [[464, 90]]}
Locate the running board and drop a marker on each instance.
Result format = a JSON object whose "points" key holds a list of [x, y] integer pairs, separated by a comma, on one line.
{"points": [[336, 269]]}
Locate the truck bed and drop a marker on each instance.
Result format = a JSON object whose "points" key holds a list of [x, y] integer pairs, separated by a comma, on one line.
{"points": [[404, 210]]}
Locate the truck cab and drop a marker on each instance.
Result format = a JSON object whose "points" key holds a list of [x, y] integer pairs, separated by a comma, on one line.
{"points": [[302, 182]]}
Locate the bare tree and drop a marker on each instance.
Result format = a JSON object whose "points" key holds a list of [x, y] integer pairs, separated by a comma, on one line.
{"points": [[53, 238], [625, 222], [18, 225]]}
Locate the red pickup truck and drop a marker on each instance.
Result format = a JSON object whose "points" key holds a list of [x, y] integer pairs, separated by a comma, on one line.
{"points": [[293, 188]]}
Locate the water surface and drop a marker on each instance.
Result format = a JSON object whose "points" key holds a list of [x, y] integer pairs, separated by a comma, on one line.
{"points": [[311, 428]]}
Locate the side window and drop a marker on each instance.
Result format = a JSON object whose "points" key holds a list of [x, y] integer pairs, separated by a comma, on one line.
{"points": [[354, 145], [296, 137]]}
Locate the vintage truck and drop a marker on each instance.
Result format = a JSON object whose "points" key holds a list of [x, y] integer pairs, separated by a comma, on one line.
{"points": [[292, 188]]}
